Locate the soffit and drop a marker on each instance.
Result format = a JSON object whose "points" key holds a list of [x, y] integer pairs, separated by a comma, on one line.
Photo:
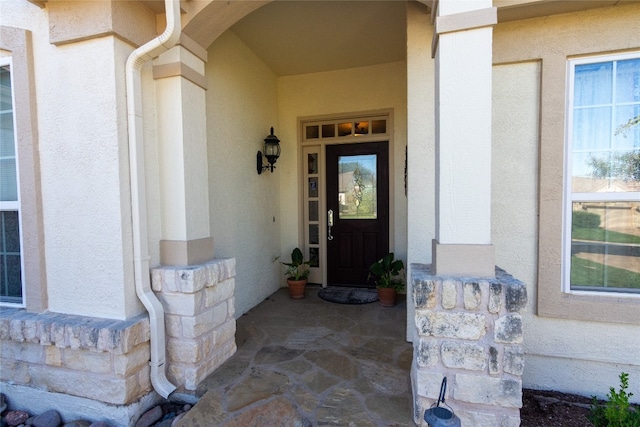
{"points": [[513, 10]]}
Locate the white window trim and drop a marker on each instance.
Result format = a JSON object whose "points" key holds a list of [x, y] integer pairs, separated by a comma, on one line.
{"points": [[569, 197], [15, 205]]}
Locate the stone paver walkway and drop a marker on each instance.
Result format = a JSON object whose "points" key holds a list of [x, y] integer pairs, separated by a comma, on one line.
{"points": [[310, 362]]}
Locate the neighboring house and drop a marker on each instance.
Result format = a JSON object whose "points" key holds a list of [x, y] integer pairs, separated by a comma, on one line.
{"points": [[128, 178]]}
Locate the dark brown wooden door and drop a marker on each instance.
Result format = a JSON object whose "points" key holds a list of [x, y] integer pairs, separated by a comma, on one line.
{"points": [[358, 196]]}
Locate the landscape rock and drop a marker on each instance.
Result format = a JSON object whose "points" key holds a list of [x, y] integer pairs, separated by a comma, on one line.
{"points": [[150, 417], [15, 418], [77, 423], [50, 418]]}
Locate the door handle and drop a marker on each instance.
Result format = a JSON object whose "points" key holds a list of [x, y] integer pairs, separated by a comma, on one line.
{"points": [[329, 223]]}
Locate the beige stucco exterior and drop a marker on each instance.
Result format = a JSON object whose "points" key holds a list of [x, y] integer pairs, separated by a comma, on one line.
{"points": [[210, 102], [595, 335]]}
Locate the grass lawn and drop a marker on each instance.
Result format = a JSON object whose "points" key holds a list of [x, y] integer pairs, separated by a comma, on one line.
{"points": [[589, 273], [602, 235]]}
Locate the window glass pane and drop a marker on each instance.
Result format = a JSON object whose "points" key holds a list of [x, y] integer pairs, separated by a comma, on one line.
{"points": [[361, 128], [591, 129], [313, 210], [378, 126], [312, 163], [628, 80], [312, 132], [593, 84], [328, 131], [357, 191], [7, 143], [605, 246], [313, 187], [605, 154], [344, 129], [10, 269], [8, 183], [6, 103], [8, 177], [314, 234], [626, 137], [314, 257]]}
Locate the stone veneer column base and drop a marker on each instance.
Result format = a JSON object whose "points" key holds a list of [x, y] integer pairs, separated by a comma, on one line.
{"points": [[470, 331], [199, 318]]}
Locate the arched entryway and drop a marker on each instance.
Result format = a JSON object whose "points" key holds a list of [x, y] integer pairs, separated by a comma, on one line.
{"points": [[321, 59]]}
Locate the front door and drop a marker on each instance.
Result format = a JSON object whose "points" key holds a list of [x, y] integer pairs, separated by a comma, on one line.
{"points": [[357, 210]]}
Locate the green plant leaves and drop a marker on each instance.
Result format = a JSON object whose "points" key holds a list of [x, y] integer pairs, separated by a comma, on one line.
{"points": [[616, 411]]}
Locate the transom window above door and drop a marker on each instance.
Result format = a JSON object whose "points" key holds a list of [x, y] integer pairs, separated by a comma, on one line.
{"points": [[330, 129]]}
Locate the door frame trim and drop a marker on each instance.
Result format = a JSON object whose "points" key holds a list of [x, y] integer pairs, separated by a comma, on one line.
{"points": [[321, 144]]}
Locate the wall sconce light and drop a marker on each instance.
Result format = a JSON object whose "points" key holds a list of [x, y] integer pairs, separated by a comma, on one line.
{"points": [[271, 152]]}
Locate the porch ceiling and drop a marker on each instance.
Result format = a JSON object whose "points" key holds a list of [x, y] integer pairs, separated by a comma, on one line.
{"points": [[298, 37], [294, 37]]}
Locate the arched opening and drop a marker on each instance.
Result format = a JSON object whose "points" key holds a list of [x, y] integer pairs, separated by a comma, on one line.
{"points": [[270, 66]]}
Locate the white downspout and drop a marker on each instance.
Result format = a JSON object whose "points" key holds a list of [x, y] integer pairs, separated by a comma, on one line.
{"points": [[138, 57]]}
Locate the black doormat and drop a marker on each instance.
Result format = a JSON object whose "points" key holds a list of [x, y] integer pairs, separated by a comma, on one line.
{"points": [[349, 295]]}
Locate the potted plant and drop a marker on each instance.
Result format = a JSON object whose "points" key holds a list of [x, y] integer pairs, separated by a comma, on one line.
{"points": [[297, 273], [386, 274]]}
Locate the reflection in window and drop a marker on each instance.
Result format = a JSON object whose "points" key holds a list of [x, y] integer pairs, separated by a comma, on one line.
{"points": [[328, 131], [312, 132], [605, 153], [314, 257], [314, 235], [361, 128], [605, 246], [10, 245], [357, 191], [313, 187], [312, 163], [344, 129], [603, 193], [313, 210], [378, 126]]}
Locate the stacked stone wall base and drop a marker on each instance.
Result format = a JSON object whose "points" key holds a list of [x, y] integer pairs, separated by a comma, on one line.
{"points": [[60, 361], [49, 360], [469, 330]]}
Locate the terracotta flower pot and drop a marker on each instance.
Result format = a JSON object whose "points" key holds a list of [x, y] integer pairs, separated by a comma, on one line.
{"points": [[387, 297], [297, 288]]}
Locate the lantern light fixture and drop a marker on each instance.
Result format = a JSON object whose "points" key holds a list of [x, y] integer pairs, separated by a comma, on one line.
{"points": [[271, 151]]}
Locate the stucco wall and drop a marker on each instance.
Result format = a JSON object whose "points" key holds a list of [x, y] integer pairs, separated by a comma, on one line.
{"points": [[584, 357], [83, 158], [244, 206], [568, 355], [342, 92], [421, 141]]}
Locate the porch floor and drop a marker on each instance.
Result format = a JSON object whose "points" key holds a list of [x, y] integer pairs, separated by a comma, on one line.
{"points": [[310, 362]]}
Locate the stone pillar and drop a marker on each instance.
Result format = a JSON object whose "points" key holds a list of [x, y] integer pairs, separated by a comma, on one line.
{"points": [[470, 331], [199, 319], [462, 47], [182, 135]]}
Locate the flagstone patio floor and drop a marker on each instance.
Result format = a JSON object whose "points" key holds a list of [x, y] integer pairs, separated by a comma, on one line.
{"points": [[310, 362]]}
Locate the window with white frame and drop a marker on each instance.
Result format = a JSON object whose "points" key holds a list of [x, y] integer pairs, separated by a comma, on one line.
{"points": [[602, 189], [11, 280]]}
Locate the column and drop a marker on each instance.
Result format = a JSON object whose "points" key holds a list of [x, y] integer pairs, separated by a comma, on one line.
{"points": [[182, 139], [463, 58]]}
